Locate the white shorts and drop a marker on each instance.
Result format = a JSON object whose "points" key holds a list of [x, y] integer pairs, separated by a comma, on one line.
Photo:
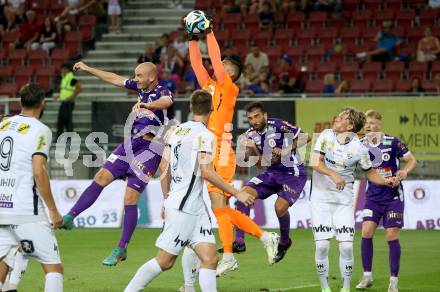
{"points": [[182, 229], [37, 240], [332, 219], [8, 246], [114, 10]]}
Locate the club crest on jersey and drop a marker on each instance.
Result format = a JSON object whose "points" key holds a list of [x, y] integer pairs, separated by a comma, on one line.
{"points": [[386, 156], [23, 128], [41, 142], [272, 143], [5, 126]]}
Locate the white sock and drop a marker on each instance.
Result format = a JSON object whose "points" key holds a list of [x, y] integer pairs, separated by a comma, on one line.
{"points": [[207, 280], [190, 267], [368, 275], [265, 237], [144, 275], [54, 282], [394, 279], [20, 265], [227, 256], [321, 260], [1, 285], [346, 262]]}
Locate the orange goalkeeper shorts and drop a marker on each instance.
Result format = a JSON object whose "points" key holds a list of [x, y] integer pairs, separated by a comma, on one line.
{"points": [[224, 165]]}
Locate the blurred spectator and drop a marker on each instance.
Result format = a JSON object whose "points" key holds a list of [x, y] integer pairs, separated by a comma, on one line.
{"points": [[266, 15], [149, 55], [162, 45], [69, 90], [13, 9], [181, 45], [416, 86], [190, 79], [287, 6], [328, 5], [386, 43], [248, 77], [329, 85], [172, 61], [28, 31], [176, 4], [71, 7], [48, 36], [437, 82], [428, 48], [289, 77], [171, 83], [203, 47], [261, 87], [434, 4], [257, 59], [239, 6], [114, 11]]}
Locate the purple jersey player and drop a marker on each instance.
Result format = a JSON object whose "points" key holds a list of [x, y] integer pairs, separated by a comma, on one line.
{"points": [[137, 158], [275, 141], [383, 202]]}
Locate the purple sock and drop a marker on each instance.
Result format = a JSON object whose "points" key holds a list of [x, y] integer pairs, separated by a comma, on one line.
{"points": [[88, 197], [130, 222], [239, 234], [284, 228], [367, 253], [394, 247]]}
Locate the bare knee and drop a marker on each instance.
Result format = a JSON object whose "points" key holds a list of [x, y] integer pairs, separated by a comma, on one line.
{"points": [[281, 207], [392, 233], [131, 197], [209, 260], [368, 229], [57, 268], [103, 177]]}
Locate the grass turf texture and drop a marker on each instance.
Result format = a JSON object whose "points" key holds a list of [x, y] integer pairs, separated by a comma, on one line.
{"points": [[83, 250]]}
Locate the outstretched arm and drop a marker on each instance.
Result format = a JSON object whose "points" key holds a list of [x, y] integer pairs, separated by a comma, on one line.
{"points": [[216, 57], [195, 58], [108, 77]]}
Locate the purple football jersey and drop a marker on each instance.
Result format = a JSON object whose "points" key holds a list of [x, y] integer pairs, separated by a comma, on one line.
{"points": [[385, 157], [278, 133], [151, 124]]}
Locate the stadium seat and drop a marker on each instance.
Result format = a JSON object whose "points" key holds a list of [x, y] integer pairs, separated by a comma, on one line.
{"points": [[3, 55], [222, 37], [87, 33], [414, 34], [314, 86], [373, 4], [284, 37], [349, 35], [383, 15], [306, 38], [327, 36], [56, 7], [59, 57], [348, 71], [429, 86], [324, 69], [361, 18], [17, 57], [405, 17], [252, 22], [295, 19], [280, 19], [203, 5], [317, 18], [296, 53], [315, 54], [87, 20], [351, 5], [39, 6], [262, 38], [232, 21], [393, 4], [6, 74], [9, 37], [44, 75], [8, 89], [273, 53], [241, 39], [23, 75], [394, 70], [403, 85], [371, 70], [360, 86], [427, 17], [369, 33], [72, 42], [383, 85], [417, 69], [435, 68], [37, 57]]}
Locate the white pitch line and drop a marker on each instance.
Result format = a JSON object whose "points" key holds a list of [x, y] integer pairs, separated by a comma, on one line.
{"points": [[294, 288]]}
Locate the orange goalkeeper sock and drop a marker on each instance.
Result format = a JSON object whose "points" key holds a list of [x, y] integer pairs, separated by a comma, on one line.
{"points": [[225, 228], [245, 223]]}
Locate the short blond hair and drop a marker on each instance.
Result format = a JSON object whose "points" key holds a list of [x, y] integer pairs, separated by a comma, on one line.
{"points": [[373, 114], [357, 119]]}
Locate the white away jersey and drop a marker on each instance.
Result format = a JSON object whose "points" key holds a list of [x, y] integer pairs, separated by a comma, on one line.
{"points": [[21, 137], [341, 158], [186, 191]]}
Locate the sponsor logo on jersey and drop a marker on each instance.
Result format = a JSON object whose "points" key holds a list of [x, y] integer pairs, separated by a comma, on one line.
{"points": [[41, 143], [5, 126], [23, 128]]}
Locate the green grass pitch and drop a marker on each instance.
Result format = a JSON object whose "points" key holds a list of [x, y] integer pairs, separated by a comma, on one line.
{"points": [[82, 251]]}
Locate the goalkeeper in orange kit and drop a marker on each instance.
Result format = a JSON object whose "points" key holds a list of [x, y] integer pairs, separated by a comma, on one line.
{"points": [[224, 96]]}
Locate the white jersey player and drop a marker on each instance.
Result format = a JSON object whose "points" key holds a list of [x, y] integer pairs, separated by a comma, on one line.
{"points": [[188, 160], [24, 186], [337, 152]]}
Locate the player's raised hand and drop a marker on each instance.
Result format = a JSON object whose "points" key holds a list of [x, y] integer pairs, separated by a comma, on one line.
{"points": [[56, 219], [80, 66], [245, 198], [339, 181]]}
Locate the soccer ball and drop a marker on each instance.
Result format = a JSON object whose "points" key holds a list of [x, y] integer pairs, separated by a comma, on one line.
{"points": [[196, 22]]}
